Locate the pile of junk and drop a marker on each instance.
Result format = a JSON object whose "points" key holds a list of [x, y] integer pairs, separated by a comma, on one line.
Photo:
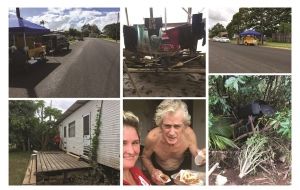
{"points": [[158, 46]]}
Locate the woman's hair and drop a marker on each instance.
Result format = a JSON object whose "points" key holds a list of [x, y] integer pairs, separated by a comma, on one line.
{"points": [[171, 106], [129, 119]]}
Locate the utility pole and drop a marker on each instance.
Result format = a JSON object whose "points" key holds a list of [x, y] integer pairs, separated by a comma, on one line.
{"points": [[117, 27], [127, 16]]}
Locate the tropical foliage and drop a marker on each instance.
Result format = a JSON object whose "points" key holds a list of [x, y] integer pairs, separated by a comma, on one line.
{"points": [[32, 124], [228, 93]]}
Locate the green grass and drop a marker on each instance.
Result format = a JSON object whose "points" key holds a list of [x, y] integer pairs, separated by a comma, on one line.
{"points": [[18, 162], [278, 45]]}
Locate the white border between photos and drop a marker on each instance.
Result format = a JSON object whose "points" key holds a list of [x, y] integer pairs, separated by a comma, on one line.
{"points": [[154, 3]]}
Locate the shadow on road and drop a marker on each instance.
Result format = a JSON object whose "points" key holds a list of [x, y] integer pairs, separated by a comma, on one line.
{"points": [[31, 76], [60, 53]]}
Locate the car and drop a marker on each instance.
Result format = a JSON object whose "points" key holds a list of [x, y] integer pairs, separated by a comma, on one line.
{"points": [[55, 42], [216, 39], [250, 40], [224, 40]]}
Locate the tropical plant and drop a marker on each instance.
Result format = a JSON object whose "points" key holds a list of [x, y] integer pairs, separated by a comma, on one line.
{"points": [[282, 123], [252, 154], [220, 133], [31, 124]]}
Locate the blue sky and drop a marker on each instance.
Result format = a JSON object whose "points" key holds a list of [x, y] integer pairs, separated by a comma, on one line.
{"points": [[59, 19]]}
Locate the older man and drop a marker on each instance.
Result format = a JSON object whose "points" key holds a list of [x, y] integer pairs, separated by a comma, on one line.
{"points": [[168, 142]]}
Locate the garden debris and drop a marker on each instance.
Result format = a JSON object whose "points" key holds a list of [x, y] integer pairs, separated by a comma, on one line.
{"points": [[221, 180]]}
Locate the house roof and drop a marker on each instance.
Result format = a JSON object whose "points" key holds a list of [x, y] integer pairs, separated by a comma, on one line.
{"points": [[72, 109]]}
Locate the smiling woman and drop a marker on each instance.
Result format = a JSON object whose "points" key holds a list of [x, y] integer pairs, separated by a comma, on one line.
{"points": [[131, 150]]}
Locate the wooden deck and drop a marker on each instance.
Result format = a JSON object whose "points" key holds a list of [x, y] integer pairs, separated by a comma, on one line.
{"points": [[58, 162]]}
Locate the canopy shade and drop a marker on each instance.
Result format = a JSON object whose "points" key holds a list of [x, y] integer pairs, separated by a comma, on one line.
{"points": [[20, 25], [250, 32]]}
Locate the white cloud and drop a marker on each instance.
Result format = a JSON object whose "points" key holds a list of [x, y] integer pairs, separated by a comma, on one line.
{"points": [[62, 19], [60, 104], [221, 15]]}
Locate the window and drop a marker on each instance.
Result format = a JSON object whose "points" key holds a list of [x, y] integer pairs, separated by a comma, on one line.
{"points": [[65, 131], [86, 125], [72, 129]]}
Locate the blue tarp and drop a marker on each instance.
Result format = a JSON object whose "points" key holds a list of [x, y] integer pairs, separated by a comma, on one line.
{"points": [[250, 32], [20, 25]]}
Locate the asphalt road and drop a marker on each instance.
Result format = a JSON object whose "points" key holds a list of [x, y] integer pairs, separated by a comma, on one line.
{"points": [[90, 69], [232, 58]]}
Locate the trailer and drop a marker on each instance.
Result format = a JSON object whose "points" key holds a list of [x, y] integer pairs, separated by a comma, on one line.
{"points": [[76, 128]]}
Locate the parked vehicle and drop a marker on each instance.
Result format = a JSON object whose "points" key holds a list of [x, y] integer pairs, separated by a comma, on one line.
{"points": [[216, 39], [224, 40], [249, 40], [55, 42]]}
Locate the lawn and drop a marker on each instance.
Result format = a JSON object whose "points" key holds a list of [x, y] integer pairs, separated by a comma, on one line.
{"points": [[18, 162], [278, 45]]}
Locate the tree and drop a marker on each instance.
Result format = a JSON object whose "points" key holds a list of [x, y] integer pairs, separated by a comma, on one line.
{"points": [[112, 31], [264, 20], [22, 121], [31, 124], [74, 32], [95, 29], [86, 30], [216, 29], [46, 129], [42, 22]]}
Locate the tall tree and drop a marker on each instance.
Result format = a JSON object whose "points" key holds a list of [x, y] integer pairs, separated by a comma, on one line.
{"points": [[46, 129], [86, 30], [22, 121], [31, 124], [112, 31], [263, 20], [216, 29], [74, 32]]}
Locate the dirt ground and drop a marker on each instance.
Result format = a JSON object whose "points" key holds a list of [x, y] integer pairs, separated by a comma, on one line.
{"points": [[80, 178], [164, 85], [281, 176]]}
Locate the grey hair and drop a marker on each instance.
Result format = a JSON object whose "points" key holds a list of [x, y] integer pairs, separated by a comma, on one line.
{"points": [[171, 106], [131, 120]]}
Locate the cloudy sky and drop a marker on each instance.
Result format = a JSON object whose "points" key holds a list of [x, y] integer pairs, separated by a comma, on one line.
{"points": [[62, 19], [62, 104], [221, 15], [136, 16]]}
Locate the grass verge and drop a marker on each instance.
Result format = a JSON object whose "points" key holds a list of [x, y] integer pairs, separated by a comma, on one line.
{"points": [[18, 162]]}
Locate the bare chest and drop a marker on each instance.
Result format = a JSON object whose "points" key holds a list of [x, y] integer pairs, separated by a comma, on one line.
{"points": [[164, 152]]}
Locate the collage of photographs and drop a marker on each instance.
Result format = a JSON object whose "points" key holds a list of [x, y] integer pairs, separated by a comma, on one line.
{"points": [[205, 95]]}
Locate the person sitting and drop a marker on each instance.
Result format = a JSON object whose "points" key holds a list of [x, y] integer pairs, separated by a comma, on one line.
{"points": [[131, 149], [169, 141]]}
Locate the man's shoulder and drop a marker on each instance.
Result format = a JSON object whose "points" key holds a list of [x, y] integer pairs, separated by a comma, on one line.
{"points": [[154, 134], [189, 132]]}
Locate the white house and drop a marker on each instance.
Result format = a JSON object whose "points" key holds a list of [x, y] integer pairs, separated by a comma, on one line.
{"points": [[77, 124]]}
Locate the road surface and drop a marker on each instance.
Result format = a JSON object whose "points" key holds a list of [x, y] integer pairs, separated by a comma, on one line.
{"points": [[90, 69], [232, 58]]}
